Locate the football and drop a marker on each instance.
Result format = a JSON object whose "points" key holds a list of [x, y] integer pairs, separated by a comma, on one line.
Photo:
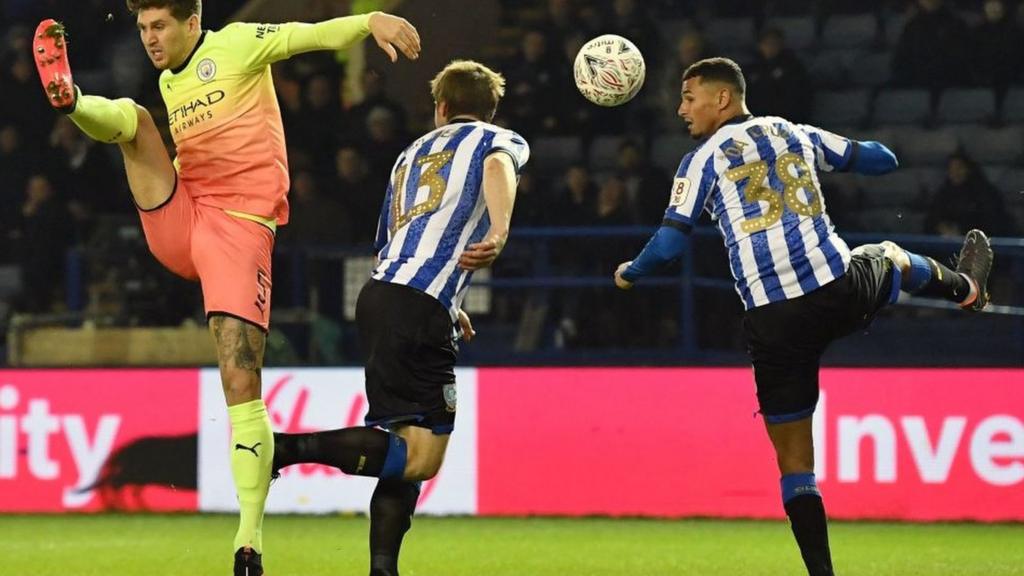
{"points": [[609, 70]]}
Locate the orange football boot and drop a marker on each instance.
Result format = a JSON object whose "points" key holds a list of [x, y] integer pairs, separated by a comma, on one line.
{"points": [[50, 49]]}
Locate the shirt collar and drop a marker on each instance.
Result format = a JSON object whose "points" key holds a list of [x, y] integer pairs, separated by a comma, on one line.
{"points": [[191, 54], [463, 120]]}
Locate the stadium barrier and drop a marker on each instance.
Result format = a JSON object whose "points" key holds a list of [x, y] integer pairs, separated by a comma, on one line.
{"points": [[909, 444], [533, 262]]}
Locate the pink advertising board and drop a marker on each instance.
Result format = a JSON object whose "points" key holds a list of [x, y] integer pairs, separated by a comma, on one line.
{"points": [[91, 440], [915, 444]]}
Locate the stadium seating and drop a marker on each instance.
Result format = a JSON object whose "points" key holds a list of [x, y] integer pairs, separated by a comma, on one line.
{"points": [[930, 179], [800, 32], [966, 105], [829, 67], [604, 152], [884, 135], [1012, 185], [551, 154], [857, 31], [992, 145], [1012, 182], [729, 33], [1013, 105], [667, 151], [892, 27], [871, 69], [916, 146], [899, 189], [672, 30], [902, 106], [892, 220], [840, 108], [993, 172]]}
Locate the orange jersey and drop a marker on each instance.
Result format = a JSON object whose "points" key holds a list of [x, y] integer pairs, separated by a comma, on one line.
{"points": [[225, 120]]}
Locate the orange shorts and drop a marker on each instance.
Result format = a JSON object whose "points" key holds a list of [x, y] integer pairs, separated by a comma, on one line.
{"points": [[230, 256]]}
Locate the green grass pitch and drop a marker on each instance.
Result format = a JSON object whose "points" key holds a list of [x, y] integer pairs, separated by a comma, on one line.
{"points": [[195, 545]]}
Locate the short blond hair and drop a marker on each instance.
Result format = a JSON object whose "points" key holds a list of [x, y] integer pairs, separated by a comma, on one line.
{"points": [[468, 87]]}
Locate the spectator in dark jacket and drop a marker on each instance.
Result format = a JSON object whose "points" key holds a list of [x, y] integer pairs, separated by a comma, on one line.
{"points": [[933, 49], [968, 200], [44, 236], [532, 87], [999, 49], [777, 82]]}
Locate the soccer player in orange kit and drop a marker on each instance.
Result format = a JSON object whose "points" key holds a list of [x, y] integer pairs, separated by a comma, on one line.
{"points": [[211, 214]]}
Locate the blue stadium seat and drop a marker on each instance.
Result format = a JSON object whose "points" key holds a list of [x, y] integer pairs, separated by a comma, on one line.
{"points": [[1012, 184], [871, 69], [902, 106], [801, 32], [1013, 105], [668, 30], [845, 108], [858, 31], [552, 154], [992, 145], [966, 105], [916, 146], [893, 28], [883, 135], [901, 188], [10, 281], [994, 173], [929, 179], [829, 67], [725, 33], [895, 220], [604, 152], [667, 151]]}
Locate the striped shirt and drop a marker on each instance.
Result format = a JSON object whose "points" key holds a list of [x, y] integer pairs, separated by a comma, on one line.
{"points": [[757, 177], [435, 207]]}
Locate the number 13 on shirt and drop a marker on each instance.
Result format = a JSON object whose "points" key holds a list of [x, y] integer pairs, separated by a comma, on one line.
{"points": [[431, 166]]}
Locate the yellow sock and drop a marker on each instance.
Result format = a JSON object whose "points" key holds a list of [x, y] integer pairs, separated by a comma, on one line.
{"points": [[252, 455], [106, 120]]}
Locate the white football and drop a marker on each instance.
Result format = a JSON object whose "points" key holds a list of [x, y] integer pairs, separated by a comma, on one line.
{"points": [[609, 70]]}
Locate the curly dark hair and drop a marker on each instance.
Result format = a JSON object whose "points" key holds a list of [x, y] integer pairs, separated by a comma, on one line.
{"points": [[180, 9]]}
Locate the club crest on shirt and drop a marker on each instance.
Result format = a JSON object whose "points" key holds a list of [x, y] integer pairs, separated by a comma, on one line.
{"points": [[680, 190], [206, 69]]}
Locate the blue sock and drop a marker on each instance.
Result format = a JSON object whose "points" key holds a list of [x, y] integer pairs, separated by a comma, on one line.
{"points": [[920, 273], [394, 462], [794, 485]]}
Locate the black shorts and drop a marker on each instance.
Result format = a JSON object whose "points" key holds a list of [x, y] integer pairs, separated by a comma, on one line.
{"points": [[409, 349], [786, 339]]}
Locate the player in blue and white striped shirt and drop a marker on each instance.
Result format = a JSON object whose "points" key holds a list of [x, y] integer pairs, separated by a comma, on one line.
{"points": [[801, 286], [446, 214], [435, 207]]}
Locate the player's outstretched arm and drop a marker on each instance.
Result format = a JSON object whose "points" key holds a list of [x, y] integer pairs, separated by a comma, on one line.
{"points": [[268, 43], [836, 153], [665, 246], [872, 158], [500, 195]]}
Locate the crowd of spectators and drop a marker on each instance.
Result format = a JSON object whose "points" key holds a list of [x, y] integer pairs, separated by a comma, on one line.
{"points": [[62, 190]]}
